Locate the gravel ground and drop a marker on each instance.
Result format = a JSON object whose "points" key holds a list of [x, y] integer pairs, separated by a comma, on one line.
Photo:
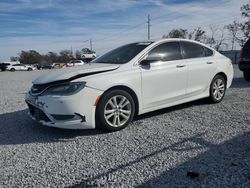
{"points": [[156, 150]]}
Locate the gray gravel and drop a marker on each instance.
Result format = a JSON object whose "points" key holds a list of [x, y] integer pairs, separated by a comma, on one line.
{"points": [[156, 150]]}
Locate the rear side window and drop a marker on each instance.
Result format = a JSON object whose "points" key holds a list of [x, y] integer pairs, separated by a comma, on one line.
{"points": [[170, 51], [208, 52], [192, 50]]}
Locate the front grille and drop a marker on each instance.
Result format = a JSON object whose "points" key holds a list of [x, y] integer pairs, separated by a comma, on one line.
{"points": [[38, 114]]}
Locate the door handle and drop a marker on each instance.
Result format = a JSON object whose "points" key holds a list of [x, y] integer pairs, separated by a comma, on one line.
{"points": [[209, 62], [180, 66]]}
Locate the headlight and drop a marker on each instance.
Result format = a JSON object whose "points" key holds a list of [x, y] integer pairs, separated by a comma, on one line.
{"points": [[65, 89]]}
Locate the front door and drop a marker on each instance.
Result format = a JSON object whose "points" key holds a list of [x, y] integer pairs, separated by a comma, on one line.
{"points": [[164, 81]]}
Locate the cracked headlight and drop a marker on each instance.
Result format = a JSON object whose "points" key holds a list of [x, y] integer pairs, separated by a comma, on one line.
{"points": [[65, 88]]}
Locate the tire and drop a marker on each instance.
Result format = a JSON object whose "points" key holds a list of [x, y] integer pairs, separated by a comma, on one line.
{"points": [[118, 116], [29, 69], [246, 75], [12, 70], [217, 89]]}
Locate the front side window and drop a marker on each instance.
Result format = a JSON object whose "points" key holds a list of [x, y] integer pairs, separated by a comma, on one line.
{"points": [[192, 50], [122, 54], [169, 51]]}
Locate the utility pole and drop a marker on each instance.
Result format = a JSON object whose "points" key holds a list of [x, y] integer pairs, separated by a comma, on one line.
{"points": [[148, 26], [90, 43]]}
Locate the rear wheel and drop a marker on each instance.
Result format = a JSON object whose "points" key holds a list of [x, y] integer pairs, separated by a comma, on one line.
{"points": [[217, 89], [246, 75], [29, 69], [115, 111]]}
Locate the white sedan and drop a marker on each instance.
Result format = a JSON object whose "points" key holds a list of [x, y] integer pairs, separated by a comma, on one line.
{"points": [[130, 80], [75, 63], [20, 67]]}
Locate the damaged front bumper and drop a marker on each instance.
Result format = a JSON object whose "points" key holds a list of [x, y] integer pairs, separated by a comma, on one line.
{"points": [[67, 112]]}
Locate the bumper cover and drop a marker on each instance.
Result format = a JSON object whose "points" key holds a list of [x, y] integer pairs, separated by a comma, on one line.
{"points": [[67, 112]]}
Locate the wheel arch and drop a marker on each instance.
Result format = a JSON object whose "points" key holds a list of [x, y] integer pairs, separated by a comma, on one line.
{"points": [[223, 75], [130, 91]]}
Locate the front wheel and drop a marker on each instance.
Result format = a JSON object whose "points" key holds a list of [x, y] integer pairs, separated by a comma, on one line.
{"points": [[12, 70], [115, 110], [217, 89], [246, 75]]}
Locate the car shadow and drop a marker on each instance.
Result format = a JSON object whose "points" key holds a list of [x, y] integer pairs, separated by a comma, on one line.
{"points": [[221, 165], [173, 108], [18, 128]]}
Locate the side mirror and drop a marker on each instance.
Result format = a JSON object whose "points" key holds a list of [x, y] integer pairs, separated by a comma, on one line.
{"points": [[151, 59]]}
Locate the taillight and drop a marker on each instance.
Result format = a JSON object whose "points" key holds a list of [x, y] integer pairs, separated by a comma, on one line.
{"points": [[241, 55]]}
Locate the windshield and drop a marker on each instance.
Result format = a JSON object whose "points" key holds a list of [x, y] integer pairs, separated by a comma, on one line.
{"points": [[122, 54]]}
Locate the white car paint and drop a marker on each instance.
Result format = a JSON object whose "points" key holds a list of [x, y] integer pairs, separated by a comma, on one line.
{"points": [[88, 56], [19, 67], [159, 86], [75, 63]]}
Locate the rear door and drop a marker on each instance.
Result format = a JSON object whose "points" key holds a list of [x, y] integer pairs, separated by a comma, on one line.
{"points": [[201, 67]]}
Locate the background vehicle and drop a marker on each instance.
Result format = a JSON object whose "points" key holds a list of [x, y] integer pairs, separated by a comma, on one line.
{"points": [[20, 67], [58, 65], [88, 54], [3, 66], [133, 79], [75, 63], [244, 64], [46, 66]]}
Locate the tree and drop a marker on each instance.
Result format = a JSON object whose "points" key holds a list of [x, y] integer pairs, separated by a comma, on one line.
{"points": [[30, 57], [245, 26], [78, 54], [211, 39], [219, 42], [12, 58], [64, 55], [233, 30], [216, 38], [50, 57], [177, 33], [197, 34]]}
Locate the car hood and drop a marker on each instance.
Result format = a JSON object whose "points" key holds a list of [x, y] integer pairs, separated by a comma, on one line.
{"points": [[69, 74]]}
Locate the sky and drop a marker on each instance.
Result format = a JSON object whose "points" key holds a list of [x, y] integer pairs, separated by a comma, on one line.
{"points": [[55, 25]]}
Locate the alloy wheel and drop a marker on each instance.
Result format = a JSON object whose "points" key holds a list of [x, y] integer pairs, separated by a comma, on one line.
{"points": [[117, 111], [218, 89]]}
